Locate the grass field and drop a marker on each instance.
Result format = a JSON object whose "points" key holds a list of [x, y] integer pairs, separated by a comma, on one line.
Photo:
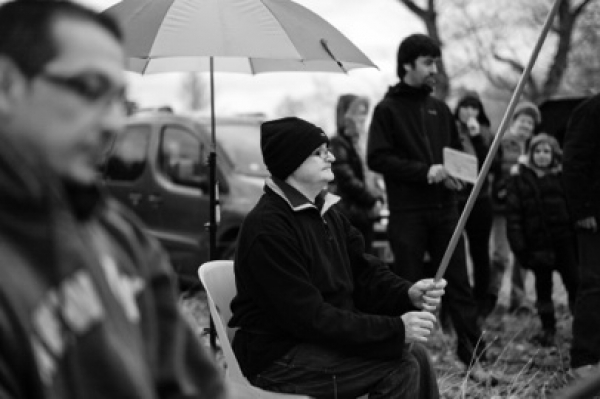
{"points": [[524, 370]]}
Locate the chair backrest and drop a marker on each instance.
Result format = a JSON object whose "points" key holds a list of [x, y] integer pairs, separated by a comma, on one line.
{"points": [[218, 280]]}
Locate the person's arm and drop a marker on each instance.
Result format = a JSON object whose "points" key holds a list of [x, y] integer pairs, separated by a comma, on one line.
{"points": [[377, 289], [384, 158], [183, 367], [581, 148], [10, 346], [283, 286], [346, 179]]}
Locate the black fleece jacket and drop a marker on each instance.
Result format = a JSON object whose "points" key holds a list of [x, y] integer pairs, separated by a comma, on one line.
{"points": [[408, 132], [302, 277], [581, 161]]}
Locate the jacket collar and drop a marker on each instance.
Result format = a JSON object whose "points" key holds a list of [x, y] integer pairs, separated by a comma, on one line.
{"points": [[297, 201], [402, 89]]}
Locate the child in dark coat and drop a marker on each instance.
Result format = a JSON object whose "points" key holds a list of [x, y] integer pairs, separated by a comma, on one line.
{"points": [[539, 229]]}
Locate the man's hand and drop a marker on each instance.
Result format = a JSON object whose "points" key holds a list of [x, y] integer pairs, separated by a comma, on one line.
{"points": [[437, 173], [588, 223], [454, 184], [427, 294], [417, 326]]}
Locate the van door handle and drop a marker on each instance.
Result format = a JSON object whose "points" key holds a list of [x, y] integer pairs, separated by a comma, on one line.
{"points": [[135, 198], [154, 199]]}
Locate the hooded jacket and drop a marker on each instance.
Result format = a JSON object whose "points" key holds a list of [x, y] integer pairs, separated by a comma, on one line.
{"points": [[537, 214], [356, 197], [88, 301], [302, 277], [408, 133], [479, 144]]}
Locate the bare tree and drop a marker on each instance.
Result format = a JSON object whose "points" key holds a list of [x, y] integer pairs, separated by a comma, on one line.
{"points": [[494, 34], [584, 60]]}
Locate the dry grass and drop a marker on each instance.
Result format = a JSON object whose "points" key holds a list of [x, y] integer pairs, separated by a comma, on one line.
{"points": [[524, 369]]}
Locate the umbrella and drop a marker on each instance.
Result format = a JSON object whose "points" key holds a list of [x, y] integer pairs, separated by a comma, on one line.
{"points": [[245, 36]]}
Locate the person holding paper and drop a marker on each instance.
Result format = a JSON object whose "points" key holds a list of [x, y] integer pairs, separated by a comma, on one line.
{"points": [[475, 136], [407, 135]]}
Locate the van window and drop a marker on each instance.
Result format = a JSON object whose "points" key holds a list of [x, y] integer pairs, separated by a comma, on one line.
{"points": [[128, 155], [182, 157]]}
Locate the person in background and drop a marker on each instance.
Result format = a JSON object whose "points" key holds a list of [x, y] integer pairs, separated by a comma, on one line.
{"points": [[539, 227], [582, 185], [513, 147], [88, 299], [408, 133], [316, 314], [359, 203], [475, 136]]}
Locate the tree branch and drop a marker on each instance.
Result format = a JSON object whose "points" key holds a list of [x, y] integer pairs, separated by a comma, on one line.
{"points": [[414, 8]]}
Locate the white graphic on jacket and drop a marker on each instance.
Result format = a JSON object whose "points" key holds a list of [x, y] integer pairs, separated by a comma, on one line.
{"points": [[124, 287], [73, 308]]}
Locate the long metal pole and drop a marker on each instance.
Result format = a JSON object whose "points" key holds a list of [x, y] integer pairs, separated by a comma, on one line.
{"points": [[495, 144], [212, 170]]}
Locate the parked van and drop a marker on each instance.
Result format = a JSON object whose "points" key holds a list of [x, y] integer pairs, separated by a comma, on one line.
{"points": [[158, 167]]}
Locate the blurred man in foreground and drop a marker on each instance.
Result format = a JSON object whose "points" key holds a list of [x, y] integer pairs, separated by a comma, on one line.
{"points": [[88, 301]]}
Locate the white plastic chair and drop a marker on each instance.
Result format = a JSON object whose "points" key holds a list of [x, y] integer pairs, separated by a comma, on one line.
{"points": [[218, 280]]}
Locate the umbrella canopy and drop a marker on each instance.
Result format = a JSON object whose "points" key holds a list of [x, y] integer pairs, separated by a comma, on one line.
{"points": [[247, 36]]}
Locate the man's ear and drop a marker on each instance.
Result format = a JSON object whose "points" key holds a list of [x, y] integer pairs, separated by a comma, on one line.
{"points": [[11, 83]]}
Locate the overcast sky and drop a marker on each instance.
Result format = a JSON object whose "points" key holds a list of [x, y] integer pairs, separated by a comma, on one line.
{"points": [[375, 26]]}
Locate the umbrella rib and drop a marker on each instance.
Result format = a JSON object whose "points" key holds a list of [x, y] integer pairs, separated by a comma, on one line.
{"points": [[328, 51], [282, 28]]}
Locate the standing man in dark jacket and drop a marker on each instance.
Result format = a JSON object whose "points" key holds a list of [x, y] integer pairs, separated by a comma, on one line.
{"points": [[582, 186], [316, 314], [408, 132], [88, 300]]}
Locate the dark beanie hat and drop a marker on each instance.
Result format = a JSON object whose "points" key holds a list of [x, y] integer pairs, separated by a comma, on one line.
{"points": [[287, 142]]}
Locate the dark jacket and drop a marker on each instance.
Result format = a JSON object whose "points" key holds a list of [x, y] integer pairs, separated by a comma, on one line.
{"points": [[88, 300], [302, 276], [408, 132], [508, 155], [582, 161], [537, 216], [356, 197], [481, 146]]}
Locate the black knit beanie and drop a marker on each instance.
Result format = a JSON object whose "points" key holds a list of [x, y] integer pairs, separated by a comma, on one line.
{"points": [[287, 142]]}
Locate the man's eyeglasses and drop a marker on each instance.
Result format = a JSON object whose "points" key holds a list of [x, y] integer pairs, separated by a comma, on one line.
{"points": [[91, 87], [322, 152]]}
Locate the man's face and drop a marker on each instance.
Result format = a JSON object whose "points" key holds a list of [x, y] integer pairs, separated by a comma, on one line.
{"points": [[422, 73], [66, 113], [522, 126], [316, 171]]}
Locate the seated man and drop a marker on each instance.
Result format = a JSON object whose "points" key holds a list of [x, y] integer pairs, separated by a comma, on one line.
{"points": [[317, 315]]}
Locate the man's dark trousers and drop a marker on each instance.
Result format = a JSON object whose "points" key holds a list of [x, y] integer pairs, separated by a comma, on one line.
{"points": [[585, 349], [415, 232]]}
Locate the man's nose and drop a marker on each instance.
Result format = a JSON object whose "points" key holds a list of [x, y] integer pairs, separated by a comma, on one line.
{"points": [[113, 118]]}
